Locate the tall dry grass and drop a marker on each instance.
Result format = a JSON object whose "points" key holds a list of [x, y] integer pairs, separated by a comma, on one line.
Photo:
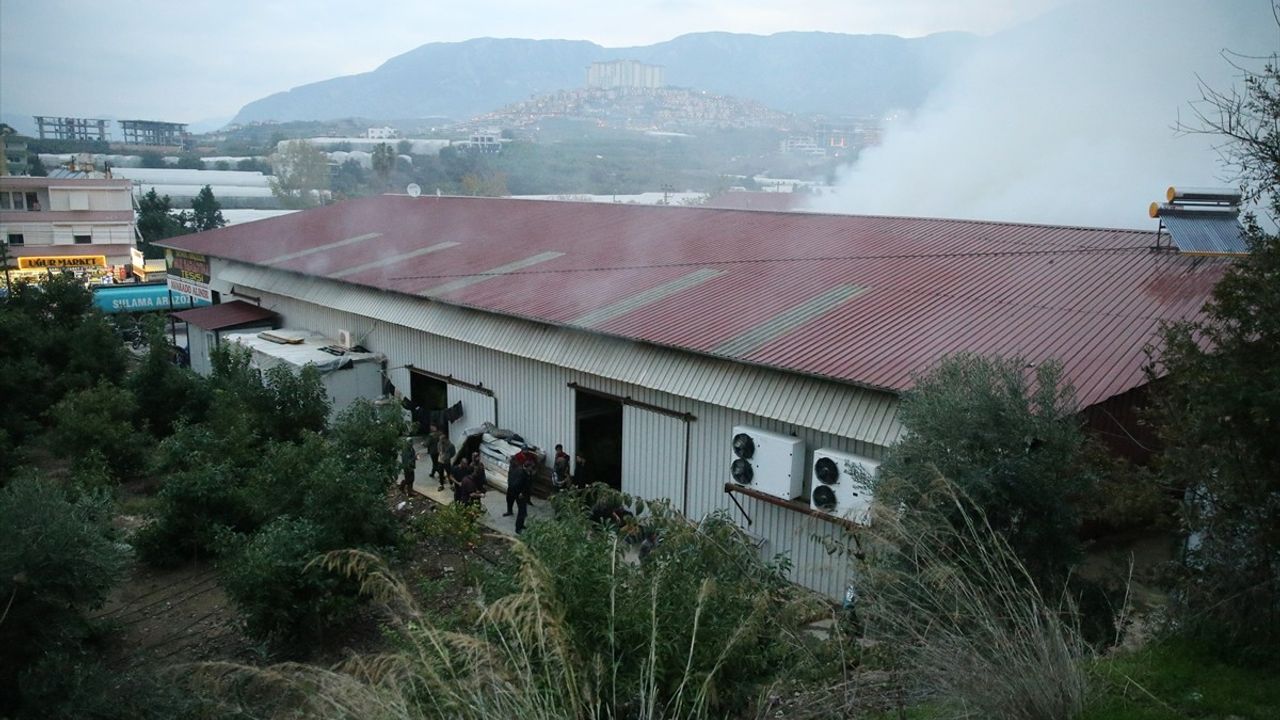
{"points": [[518, 662], [971, 628]]}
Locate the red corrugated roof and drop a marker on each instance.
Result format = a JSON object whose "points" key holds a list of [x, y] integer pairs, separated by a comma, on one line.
{"points": [[750, 200], [919, 289], [225, 315]]}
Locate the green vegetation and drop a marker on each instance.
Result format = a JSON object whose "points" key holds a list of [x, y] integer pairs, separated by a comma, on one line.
{"points": [[1015, 450], [301, 175], [1174, 679], [52, 344], [699, 628], [1219, 408], [58, 557]]}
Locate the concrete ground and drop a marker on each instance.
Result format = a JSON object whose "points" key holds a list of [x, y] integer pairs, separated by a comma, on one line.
{"points": [[495, 501]]}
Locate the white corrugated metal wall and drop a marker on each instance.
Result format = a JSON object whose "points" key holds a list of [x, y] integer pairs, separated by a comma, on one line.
{"points": [[537, 401], [477, 408], [654, 453]]}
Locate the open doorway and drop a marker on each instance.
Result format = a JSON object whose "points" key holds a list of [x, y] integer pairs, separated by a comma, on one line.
{"points": [[427, 393], [599, 437]]}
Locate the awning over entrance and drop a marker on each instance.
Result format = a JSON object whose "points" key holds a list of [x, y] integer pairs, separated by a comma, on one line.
{"points": [[226, 315]]}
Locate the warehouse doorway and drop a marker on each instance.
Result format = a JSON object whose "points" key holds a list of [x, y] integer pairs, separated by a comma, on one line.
{"points": [[599, 437], [428, 393]]}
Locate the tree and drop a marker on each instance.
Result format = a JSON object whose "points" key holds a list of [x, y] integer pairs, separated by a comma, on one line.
{"points": [[157, 222], [206, 211], [57, 558], [302, 175], [1013, 449], [1219, 404], [384, 161]]}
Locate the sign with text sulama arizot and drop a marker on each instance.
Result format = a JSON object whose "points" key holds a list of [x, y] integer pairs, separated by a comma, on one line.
{"points": [[188, 273]]}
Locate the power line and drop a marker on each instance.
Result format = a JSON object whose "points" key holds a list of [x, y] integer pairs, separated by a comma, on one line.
{"points": [[752, 261]]}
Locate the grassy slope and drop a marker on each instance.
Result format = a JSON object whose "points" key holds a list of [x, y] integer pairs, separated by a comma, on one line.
{"points": [[1180, 680]]}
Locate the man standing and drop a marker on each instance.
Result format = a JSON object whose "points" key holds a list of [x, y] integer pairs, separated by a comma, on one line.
{"points": [[522, 496], [408, 462], [560, 469], [444, 457], [515, 479], [433, 447]]}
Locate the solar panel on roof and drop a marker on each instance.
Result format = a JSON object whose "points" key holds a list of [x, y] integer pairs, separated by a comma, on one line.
{"points": [[1205, 233]]}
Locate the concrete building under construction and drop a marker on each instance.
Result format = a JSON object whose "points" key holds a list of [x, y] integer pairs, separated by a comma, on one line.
{"points": [[71, 128], [154, 133]]}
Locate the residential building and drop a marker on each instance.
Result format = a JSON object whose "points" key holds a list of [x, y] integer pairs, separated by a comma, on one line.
{"points": [[651, 340], [624, 74], [51, 223]]}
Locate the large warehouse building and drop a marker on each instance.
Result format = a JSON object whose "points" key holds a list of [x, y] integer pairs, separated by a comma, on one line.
{"points": [[648, 338]]}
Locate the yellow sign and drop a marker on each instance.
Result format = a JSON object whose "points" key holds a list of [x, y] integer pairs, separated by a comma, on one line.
{"points": [[62, 261]]}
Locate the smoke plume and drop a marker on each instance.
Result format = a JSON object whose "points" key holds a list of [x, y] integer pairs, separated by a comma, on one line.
{"points": [[1069, 119]]}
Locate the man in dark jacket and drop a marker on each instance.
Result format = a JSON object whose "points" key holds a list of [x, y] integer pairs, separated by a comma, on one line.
{"points": [[515, 478], [519, 485], [408, 462]]}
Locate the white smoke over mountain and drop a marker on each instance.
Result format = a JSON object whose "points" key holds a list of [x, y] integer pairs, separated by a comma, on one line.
{"points": [[1068, 119]]}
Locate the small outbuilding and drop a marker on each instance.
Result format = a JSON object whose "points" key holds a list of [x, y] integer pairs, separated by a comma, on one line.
{"points": [[347, 374], [207, 325]]}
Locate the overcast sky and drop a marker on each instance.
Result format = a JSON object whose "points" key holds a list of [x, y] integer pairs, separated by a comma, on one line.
{"points": [[201, 59]]}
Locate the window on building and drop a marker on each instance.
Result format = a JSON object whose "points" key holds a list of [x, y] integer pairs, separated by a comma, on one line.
{"points": [[33, 201], [83, 239], [13, 201], [17, 239], [4, 201]]}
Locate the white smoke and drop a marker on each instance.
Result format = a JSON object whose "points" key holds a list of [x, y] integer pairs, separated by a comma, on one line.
{"points": [[1068, 119]]}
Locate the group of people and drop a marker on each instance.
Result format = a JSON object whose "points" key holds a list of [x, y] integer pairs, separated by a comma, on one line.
{"points": [[467, 475]]}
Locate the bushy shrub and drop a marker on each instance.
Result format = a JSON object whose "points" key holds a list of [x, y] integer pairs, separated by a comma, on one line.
{"points": [[369, 434], [100, 419], [282, 596], [298, 402], [698, 629], [455, 525], [166, 394], [52, 342], [1013, 447], [57, 558], [197, 509], [702, 620]]}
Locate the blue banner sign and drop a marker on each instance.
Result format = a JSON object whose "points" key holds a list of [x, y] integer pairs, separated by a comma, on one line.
{"points": [[139, 297]]}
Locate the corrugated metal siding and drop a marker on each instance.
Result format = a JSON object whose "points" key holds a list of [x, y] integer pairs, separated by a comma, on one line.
{"points": [[653, 454], [477, 408], [840, 409], [536, 400]]}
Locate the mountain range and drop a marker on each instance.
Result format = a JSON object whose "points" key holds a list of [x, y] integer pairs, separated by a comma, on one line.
{"points": [[799, 72]]}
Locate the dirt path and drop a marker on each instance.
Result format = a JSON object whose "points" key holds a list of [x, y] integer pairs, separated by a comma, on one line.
{"points": [[171, 617]]}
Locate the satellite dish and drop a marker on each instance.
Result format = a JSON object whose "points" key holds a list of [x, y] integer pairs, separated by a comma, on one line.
{"points": [[413, 190]]}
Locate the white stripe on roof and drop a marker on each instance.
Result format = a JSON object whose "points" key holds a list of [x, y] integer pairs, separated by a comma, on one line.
{"points": [[492, 272], [600, 316], [783, 323], [392, 259], [320, 248]]}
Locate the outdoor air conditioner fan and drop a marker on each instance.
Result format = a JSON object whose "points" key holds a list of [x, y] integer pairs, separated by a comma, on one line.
{"points": [[841, 484], [826, 470], [769, 462], [824, 498]]}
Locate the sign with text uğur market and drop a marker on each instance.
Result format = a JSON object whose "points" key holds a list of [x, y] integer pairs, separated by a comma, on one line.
{"points": [[188, 273], [62, 261]]}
